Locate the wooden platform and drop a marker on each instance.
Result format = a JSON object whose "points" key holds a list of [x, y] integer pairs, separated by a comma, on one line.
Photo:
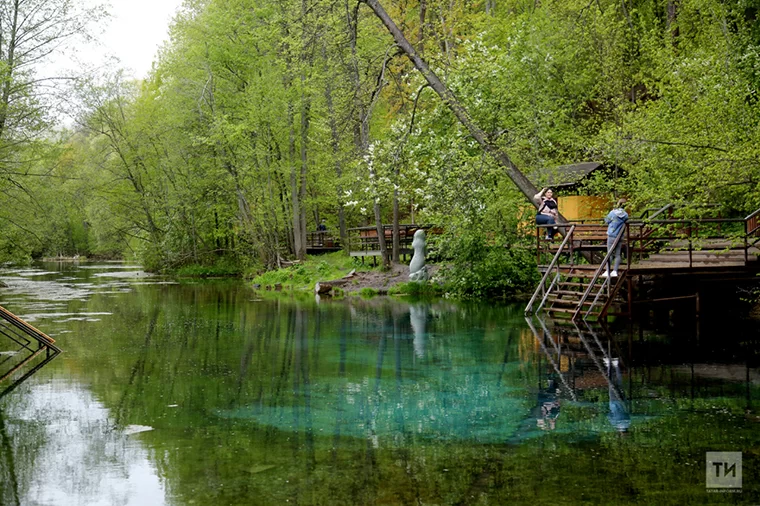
{"points": [[364, 241], [575, 282]]}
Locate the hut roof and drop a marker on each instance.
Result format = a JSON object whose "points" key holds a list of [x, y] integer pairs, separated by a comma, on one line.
{"points": [[566, 176]]}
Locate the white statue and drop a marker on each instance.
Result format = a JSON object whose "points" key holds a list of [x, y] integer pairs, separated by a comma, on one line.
{"points": [[417, 268]]}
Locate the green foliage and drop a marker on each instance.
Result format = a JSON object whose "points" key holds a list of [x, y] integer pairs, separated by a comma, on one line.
{"points": [[478, 268], [416, 289], [305, 275], [367, 292], [238, 144]]}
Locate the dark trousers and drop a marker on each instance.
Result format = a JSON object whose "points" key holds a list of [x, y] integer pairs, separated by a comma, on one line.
{"points": [[542, 219]]}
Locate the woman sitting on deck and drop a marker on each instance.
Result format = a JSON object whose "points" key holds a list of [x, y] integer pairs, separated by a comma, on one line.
{"points": [[547, 211]]}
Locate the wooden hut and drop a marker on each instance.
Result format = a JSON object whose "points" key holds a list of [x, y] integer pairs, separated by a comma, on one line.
{"points": [[567, 181]]}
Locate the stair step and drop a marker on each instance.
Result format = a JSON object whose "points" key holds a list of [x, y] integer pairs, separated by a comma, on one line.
{"points": [[580, 275], [570, 292], [576, 283], [563, 310], [573, 303]]}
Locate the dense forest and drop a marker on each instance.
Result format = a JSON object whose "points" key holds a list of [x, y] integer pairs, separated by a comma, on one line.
{"points": [[260, 119]]}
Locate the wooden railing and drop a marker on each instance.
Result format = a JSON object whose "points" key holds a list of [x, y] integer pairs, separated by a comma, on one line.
{"points": [[605, 288], [645, 237], [751, 232], [587, 239], [364, 241], [542, 288], [29, 343], [692, 235], [321, 239]]}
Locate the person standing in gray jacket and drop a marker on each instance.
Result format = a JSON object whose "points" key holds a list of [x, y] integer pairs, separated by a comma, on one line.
{"points": [[615, 221]]}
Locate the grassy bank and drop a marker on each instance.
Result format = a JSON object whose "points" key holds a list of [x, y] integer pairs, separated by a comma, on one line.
{"points": [[304, 275]]}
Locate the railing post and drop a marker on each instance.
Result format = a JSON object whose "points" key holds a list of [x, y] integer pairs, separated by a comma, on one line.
{"points": [[690, 264], [746, 241]]}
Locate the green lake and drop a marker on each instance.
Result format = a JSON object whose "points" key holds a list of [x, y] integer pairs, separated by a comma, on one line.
{"points": [[209, 393]]}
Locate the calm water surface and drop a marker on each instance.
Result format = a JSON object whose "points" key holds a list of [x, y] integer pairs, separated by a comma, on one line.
{"points": [[209, 393]]}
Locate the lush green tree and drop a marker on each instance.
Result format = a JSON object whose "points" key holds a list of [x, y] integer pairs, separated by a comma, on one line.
{"points": [[260, 119]]}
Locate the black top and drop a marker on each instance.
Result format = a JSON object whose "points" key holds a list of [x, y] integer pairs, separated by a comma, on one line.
{"points": [[548, 203]]}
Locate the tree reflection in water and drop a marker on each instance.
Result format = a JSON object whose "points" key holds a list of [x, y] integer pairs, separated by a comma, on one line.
{"points": [[358, 401]]}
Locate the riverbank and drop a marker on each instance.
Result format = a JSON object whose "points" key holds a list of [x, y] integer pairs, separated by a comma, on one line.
{"points": [[354, 276]]}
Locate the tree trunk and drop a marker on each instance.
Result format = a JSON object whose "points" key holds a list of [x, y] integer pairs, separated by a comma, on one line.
{"points": [[298, 246], [306, 62], [672, 8], [305, 106], [396, 228], [338, 164], [8, 73], [362, 116]]}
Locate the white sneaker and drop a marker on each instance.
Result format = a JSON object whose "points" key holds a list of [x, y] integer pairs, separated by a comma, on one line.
{"points": [[613, 274], [606, 274]]}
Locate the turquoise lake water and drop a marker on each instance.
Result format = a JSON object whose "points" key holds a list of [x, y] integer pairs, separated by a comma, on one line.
{"points": [[209, 393]]}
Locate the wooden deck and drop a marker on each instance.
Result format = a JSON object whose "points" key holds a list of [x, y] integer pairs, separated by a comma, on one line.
{"points": [[574, 282], [321, 241], [364, 241]]}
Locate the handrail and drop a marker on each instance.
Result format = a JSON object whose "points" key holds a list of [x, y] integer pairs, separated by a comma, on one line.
{"points": [[28, 329], [598, 272], [529, 307], [548, 291], [598, 293], [661, 210], [687, 220], [752, 215], [19, 331]]}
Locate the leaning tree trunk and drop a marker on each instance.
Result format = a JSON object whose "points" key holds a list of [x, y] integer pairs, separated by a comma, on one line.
{"points": [[517, 177]]}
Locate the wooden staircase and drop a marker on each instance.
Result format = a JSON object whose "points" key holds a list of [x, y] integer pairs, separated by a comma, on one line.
{"points": [[24, 351], [578, 291], [567, 299]]}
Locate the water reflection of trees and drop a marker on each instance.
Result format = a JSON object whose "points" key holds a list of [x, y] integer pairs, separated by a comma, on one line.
{"points": [[362, 401]]}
